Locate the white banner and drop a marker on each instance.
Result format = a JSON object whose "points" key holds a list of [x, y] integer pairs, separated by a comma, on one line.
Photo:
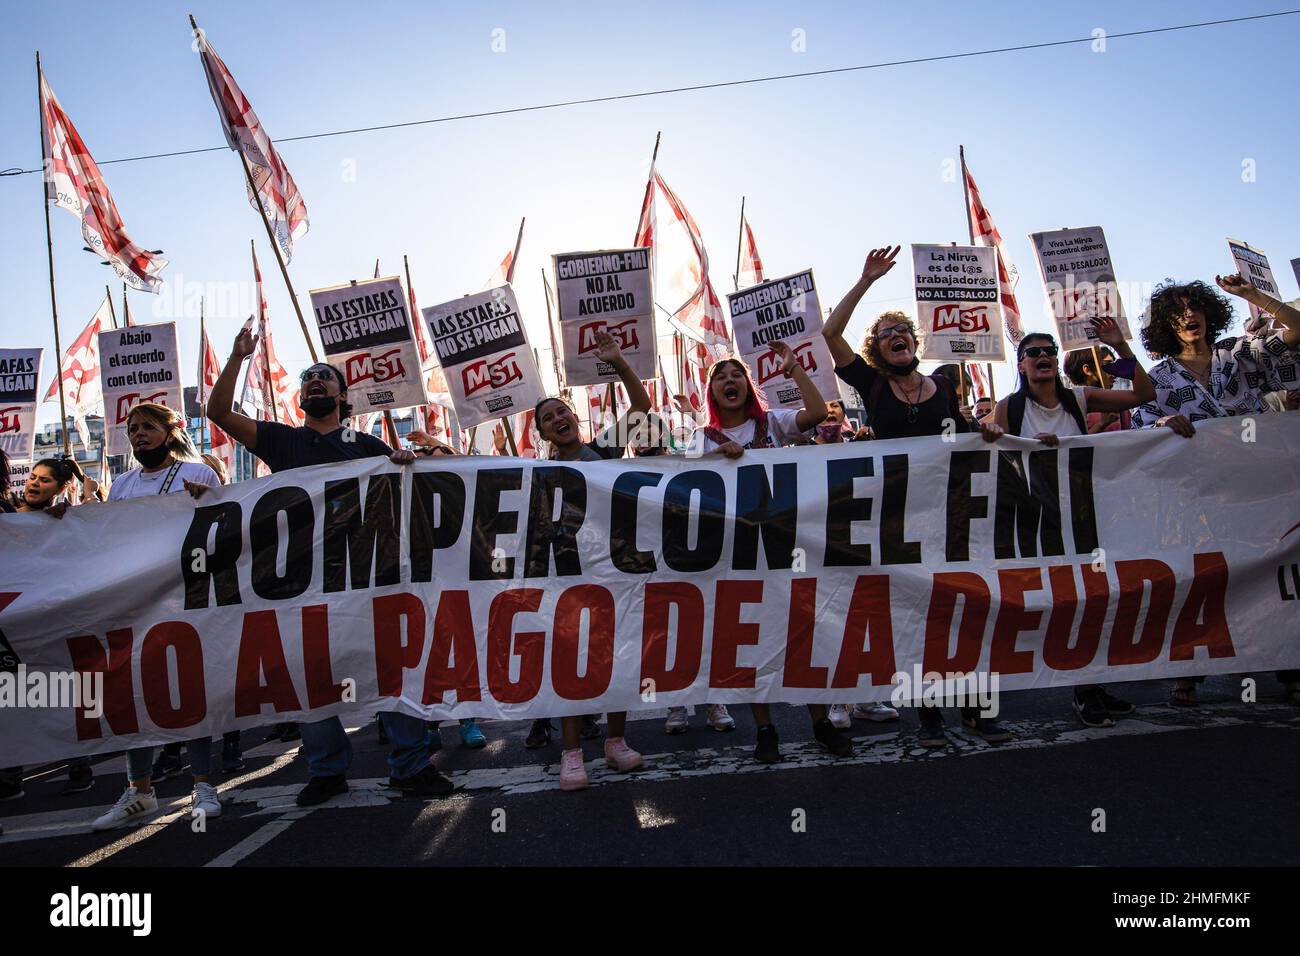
{"points": [[517, 589], [367, 335], [1254, 268], [783, 310], [138, 364], [608, 290], [482, 345], [1080, 282], [957, 306], [20, 373]]}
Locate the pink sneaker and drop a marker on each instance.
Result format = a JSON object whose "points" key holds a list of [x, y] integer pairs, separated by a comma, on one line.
{"points": [[620, 756], [573, 775]]}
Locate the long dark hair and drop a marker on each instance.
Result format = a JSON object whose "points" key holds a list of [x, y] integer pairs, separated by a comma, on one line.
{"points": [[1022, 387]]}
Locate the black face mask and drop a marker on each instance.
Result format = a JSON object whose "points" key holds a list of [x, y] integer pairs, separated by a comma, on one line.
{"points": [[907, 369], [320, 406], [152, 457]]}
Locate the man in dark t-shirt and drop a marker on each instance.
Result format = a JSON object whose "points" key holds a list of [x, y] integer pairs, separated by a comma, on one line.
{"points": [[324, 439]]}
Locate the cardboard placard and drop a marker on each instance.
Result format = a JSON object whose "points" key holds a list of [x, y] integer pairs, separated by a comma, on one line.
{"points": [[138, 364], [1079, 277], [20, 373], [958, 310], [607, 290]]}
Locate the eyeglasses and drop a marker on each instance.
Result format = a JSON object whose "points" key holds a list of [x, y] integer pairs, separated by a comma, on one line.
{"points": [[1034, 351], [902, 328], [316, 375]]}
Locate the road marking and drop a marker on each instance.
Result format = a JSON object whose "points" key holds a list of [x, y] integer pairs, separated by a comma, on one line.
{"points": [[258, 838]]}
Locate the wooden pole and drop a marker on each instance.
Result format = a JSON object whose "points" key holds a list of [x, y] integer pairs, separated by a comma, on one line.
{"points": [[390, 428], [510, 437], [203, 398], [514, 258], [1096, 368], [740, 241], [112, 313], [993, 394], [49, 247]]}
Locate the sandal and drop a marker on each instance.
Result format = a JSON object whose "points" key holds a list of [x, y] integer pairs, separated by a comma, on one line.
{"points": [[1183, 696]]}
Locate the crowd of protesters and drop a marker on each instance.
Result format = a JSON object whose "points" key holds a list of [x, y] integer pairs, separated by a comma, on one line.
{"points": [[1199, 374]]}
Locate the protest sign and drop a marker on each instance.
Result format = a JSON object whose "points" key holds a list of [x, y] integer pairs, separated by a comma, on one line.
{"points": [[1254, 268], [140, 363], [482, 346], [20, 372], [783, 310], [609, 290], [518, 589], [1080, 281], [367, 334], [957, 307]]}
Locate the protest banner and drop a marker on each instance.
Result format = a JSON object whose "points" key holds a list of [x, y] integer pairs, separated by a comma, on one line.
{"points": [[20, 372], [367, 334], [1080, 281], [138, 364], [783, 310], [1254, 268], [957, 306], [482, 346], [518, 589], [608, 290]]}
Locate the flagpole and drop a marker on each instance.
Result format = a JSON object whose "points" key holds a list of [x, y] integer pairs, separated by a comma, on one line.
{"points": [[740, 239], [112, 313], [126, 308], [203, 361], [49, 247], [970, 231], [514, 259]]}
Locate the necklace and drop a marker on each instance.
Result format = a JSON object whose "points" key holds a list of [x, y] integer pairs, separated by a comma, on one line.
{"points": [[1202, 375], [911, 403]]}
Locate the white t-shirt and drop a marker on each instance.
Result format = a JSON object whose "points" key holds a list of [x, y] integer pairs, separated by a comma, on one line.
{"points": [[1057, 421], [137, 484], [782, 429]]}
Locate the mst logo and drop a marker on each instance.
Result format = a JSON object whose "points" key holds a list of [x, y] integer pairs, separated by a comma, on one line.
{"points": [[131, 399], [769, 363], [624, 334], [9, 419], [379, 368], [953, 318], [481, 374]]}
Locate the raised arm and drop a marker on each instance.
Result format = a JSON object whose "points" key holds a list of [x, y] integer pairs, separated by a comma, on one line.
{"points": [[879, 261], [814, 410], [607, 350], [1118, 399], [221, 400], [1287, 315]]}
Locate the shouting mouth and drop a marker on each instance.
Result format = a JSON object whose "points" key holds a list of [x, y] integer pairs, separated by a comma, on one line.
{"points": [[731, 393], [1043, 365], [313, 389], [898, 347]]}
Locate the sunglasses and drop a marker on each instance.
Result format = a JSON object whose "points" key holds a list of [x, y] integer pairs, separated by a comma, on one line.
{"points": [[316, 375], [1034, 351], [889, 331]]}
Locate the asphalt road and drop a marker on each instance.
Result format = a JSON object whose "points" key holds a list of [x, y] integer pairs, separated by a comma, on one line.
{"points": [[1210, 787]]}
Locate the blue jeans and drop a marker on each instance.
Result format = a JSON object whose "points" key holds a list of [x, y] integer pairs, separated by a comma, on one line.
{"points": [[139, 761], [411, 739], [329, 752]]}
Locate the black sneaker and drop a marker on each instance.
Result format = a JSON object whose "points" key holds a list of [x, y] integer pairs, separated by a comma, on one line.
{"points": [[11, 788], [539, 736], [166, 767], [80, 779], [1090, 708], [427, 783], [932, 734], [320, 789], [988, 728], [832, 738], [1114, 706], [232, 760], [590, 727], [768, 749]]}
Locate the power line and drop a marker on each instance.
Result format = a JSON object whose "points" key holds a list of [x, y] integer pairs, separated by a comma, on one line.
{"points": [[16, 171]]}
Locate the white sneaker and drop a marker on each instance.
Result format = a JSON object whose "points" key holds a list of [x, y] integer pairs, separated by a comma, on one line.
{"points": [[676, 722], [876, 710], [131, 805], [719, 719], [205, 800], [839, 715]]}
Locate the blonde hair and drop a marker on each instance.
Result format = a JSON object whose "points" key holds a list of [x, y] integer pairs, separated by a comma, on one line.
{"points": [[871, 344], [173, 423], [217, 465]]}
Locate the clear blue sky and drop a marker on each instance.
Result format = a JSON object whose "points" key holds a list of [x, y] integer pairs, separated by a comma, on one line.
{"points": [[1146, 139]]}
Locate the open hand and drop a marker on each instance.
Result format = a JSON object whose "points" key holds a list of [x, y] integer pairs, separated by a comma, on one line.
{"points": [[1234, 284], [1108, 331], [607, 349], [787, 356], [879, 261], [245, 341]]}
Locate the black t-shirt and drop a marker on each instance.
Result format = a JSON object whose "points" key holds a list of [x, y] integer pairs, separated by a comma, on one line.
{"points": [[887, 416], [283, 446]]}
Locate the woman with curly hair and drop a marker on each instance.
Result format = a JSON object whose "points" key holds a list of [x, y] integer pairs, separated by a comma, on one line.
{"points": [[1203, 376]]}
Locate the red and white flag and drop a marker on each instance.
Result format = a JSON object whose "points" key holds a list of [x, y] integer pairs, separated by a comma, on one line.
{"points": [[435, 382], [527, 440], [984, 233], [79, 373], [751, 264], [503, 273], [73, 182], [275, 190], [693, 373], [978, 384], [220, 444], [681, 267], [267, 386]]}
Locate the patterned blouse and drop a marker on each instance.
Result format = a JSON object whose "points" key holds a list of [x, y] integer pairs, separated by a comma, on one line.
{"points": [[1242, 370]]}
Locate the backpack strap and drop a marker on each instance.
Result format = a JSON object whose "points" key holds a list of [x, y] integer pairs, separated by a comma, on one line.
{"points": [[761, 438], [1016, 412], [1071, 404], [715, 435]]}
